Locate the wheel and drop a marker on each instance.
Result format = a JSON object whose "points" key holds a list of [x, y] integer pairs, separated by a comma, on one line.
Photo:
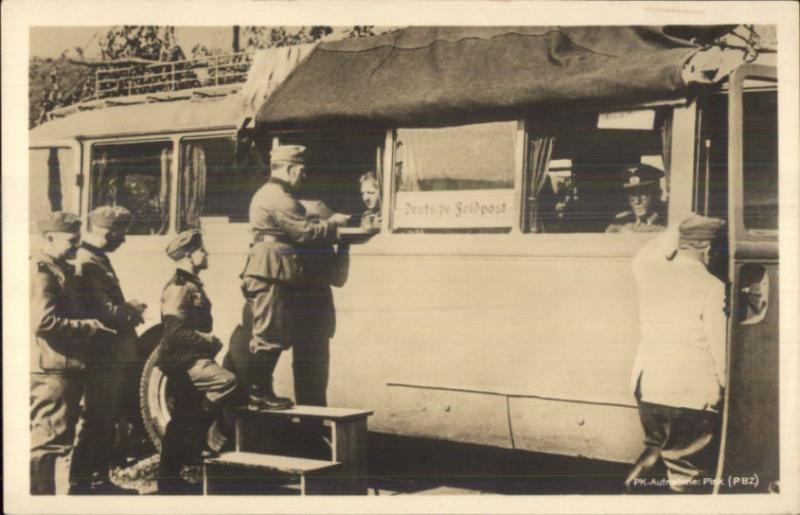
{"points": [[157, 394], [154, 400]]}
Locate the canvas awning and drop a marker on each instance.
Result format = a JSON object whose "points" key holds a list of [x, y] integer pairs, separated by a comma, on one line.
{"points": [[436, 76]]}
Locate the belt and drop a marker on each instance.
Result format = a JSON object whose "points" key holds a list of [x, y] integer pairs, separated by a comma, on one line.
{"points": [[264, 237]]}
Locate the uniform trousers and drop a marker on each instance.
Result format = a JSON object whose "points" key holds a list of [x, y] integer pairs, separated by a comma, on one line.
{"points": [[200, 393], [275, 313], [687, 441], [105, 382], [310, 367], [55, 407]]}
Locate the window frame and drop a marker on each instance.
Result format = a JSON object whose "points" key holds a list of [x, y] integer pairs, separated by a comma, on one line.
{"points": [[88, 181], [389, 191], [178, 184], [73, 202], [683, 119]]}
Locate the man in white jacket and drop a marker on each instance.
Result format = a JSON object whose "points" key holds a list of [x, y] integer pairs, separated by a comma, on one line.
{"points": [[679, 372]]}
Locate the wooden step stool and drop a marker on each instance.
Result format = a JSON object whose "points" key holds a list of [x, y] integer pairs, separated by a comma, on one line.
{"points": [[315, 475], [345, 473]]}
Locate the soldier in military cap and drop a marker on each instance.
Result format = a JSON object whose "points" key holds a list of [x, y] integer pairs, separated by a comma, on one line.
{"points": [[275, 275], [641, 183], [112, 358], [186, 355], [59, 347], [679, 373]]}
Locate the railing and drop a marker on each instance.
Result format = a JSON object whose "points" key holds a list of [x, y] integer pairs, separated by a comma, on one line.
{"points": [[136, 79]]}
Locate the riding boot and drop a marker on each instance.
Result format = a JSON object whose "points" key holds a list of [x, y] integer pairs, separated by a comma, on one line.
{"points": [[261, 393]]}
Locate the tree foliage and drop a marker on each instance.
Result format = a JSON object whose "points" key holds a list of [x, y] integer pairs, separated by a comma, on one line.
{"points": [[268, 37], [60, 82], [54, 83], [142, 41]]}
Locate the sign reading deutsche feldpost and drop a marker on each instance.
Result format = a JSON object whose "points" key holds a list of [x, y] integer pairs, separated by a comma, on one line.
{"points": [[454, 209]]}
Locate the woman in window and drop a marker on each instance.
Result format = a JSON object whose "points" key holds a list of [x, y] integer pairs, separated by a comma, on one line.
{"points": [[371, 196]]}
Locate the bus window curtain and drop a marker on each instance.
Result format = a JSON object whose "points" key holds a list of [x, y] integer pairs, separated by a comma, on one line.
{"points": [[666, 151], [102, 191], [193, 185], [54, 181], [163, 194], [540, 151]]}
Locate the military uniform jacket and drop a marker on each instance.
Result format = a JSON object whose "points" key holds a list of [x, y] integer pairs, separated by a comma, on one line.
{"points": [[185, 313], [280, 228], [102, 298], [681, 356], [626, 222], [59, 329]]}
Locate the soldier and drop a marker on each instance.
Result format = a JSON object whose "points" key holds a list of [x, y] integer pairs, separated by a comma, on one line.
{"points": [[59, 348], [646, 213], [679, 372], [186, 356], [112, 357], [324, 267], [274, 277]]}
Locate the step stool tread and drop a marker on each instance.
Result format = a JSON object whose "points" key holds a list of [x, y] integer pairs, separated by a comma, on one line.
{"points": [[287, 464], [321, 412]]}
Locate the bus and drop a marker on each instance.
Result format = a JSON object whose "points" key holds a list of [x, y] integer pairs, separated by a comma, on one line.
{"points": [[492, 307]]}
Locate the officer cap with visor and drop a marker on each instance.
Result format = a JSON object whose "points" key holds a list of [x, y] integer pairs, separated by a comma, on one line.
{"points": [[641, 176], [59, 221], [184, 244], [115, 218]]}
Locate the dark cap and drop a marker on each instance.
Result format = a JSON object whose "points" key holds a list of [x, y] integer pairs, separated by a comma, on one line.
{"points": [[110, 217], [700, 229], [641, 176], [184, 244], [293, 154], [59, 221]]}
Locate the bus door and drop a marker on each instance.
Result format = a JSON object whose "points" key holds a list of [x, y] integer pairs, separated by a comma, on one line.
{"points": [[749, 461]]}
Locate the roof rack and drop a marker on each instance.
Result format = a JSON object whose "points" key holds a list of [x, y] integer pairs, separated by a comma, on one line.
{"points": [[137, 81], [159, 76]]}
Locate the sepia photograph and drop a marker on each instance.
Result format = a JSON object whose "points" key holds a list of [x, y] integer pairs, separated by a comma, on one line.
{"points": [[405, 260]]}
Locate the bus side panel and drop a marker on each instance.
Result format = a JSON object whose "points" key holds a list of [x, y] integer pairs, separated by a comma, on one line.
{"points": [[752, 437], [601, 431], [561, 328]]}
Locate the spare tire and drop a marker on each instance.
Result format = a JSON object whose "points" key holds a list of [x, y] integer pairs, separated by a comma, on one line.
{"points": [[154, 399], [157, 393]]}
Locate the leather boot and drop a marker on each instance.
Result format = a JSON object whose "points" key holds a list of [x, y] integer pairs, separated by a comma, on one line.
{"points": [[261, 394], [264, 398]]}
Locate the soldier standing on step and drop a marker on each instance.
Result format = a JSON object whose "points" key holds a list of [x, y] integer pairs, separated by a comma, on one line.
{"points": [[275, 279]]}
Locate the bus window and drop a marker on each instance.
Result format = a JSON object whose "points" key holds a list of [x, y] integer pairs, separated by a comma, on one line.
{"points": [[711, 175], [135, 176], [454, 179], [336, 162], [51, 178], [574, 180], [212, 183], [760, 148]]}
